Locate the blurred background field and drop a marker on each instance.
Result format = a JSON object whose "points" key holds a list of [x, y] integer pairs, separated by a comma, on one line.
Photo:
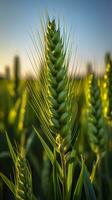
{"points": [[18, 118], [91, 39]]}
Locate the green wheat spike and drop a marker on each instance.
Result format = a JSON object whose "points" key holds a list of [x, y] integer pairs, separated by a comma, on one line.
{"points": [[96, 128], [52, 94], [57, 81], [23, 178]]}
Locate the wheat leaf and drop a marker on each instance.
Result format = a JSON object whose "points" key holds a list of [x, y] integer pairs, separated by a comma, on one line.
{"points": [[30, 142], [45, 146], [89, 191], [79, 185], [49, 153], [13, 155], [4, 154], [9, 183], [70, 175]]}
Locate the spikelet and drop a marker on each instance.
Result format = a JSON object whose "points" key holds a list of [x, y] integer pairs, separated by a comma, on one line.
{"points": [[96, 128], [23, 178], [57, 81]]}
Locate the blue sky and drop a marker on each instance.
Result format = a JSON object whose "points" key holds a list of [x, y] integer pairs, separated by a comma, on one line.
{"points": [[91, 20]]}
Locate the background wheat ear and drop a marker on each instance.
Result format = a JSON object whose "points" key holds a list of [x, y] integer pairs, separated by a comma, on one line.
{"points": [[96, 124], [23, 177], [97, 134], [108, 86]]}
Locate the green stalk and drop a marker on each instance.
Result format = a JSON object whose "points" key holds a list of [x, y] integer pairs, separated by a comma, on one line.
{"points": [[99, 181], [92, 177], [61, 150], [63, 164]]}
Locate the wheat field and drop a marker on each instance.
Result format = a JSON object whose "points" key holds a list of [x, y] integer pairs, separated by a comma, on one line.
{"points": [[56, 127]]}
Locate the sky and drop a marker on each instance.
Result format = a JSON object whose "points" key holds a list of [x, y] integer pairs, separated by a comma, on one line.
{"points": [[90, 22]]}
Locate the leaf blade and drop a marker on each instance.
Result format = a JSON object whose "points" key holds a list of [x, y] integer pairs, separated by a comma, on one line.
{"points": [[13, 154], [9, 183], [79, 185]]}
